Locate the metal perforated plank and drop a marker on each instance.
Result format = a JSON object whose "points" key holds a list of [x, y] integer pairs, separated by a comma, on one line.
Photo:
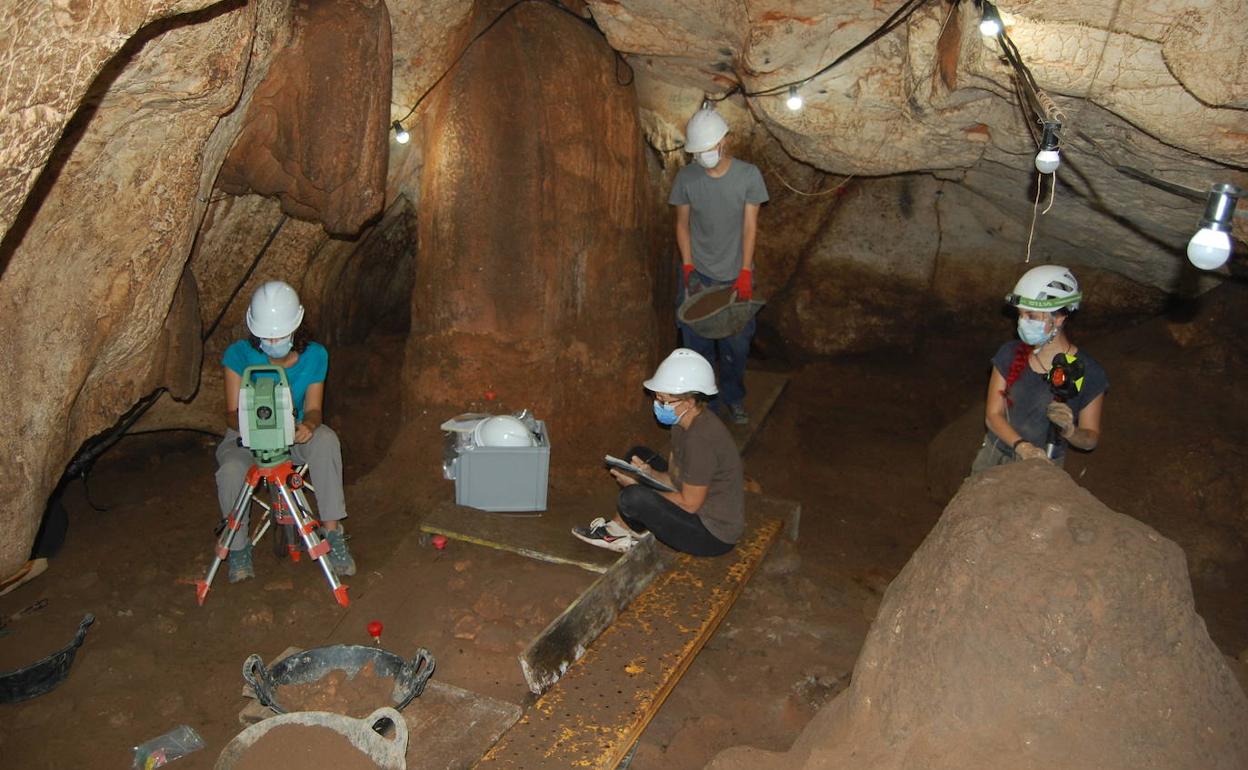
{"points": [[600, 707]]}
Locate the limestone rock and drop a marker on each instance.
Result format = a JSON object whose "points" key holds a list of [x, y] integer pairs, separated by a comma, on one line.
{"points": [[1033, 627], [316, 134], [43, 86], [98, 263]]}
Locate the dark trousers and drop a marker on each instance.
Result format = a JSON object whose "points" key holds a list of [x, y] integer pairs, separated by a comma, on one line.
{"points": [[644, 509], [728, 355]]}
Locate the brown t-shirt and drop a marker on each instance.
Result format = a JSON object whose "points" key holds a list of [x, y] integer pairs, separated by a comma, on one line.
{"points": [[705, 455]]}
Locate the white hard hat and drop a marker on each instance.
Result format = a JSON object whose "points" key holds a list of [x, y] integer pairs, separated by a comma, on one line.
{"points": [[275, 311], [704, 130], [502, 430], [1047, 287], [683, 371]]}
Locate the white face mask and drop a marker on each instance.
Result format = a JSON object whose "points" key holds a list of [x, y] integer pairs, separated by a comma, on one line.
{"points": [[277, 348], [708, 159], [1034, 331]]}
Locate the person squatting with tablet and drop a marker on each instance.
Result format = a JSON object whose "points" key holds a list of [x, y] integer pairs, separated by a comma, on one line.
{"points": [[705, 515]]}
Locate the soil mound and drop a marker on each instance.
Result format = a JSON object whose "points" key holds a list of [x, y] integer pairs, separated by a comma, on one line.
{"points": [[1033, 628]]}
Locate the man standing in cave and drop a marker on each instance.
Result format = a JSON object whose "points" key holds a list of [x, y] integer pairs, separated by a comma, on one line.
{"points": [[717, 201]]}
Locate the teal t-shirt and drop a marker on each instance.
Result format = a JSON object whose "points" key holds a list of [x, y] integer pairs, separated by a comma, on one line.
{"points": [[310, 369]]}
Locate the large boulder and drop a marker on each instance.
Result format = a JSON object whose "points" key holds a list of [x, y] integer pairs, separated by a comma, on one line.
{"points": [[1033, 628]]}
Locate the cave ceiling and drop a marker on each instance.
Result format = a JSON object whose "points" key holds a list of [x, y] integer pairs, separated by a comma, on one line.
{"points": [[1151, 96]]}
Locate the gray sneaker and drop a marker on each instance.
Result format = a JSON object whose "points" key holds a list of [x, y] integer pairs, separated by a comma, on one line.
{"points": [[737, 413], [339, 555]]}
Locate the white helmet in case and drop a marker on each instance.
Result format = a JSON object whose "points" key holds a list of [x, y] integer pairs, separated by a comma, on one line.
{"points": [[704, 130], [502, 430], [275, 311], [1046, 288], [683, 371]]}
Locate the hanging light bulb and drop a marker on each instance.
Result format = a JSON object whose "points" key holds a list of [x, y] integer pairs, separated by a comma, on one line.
{"points": [[990, 24], [1048, 159], [1210, 247], [794, 102], [400, 133]]}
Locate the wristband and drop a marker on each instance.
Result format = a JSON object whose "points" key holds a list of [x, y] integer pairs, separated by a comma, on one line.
{"points": [[1014, 446]]}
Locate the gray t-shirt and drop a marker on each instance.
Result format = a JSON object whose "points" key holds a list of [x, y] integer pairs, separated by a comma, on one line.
{"points": [[706, 455], [716, 213], [1031, 396]]}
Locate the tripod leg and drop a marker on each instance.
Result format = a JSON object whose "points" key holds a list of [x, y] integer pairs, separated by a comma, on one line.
{"points": [[317, 547], [233, 523]]}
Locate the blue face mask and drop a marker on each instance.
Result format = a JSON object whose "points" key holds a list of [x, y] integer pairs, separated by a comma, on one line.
{"points": [[1033, 333], [665, 413], [277, 349]]}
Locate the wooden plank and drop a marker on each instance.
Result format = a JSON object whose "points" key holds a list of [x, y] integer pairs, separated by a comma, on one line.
{"points": [[547, 538], [762, 391], [600, 707], [565, 639]]}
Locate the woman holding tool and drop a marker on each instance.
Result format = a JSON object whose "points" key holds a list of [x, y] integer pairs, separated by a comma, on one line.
{"points": [[274, 319], [704, 514], [1043, 389]]}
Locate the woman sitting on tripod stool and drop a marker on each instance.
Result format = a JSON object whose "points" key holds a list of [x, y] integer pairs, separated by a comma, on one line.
{"points": [[273, 320], [1021, 404]]}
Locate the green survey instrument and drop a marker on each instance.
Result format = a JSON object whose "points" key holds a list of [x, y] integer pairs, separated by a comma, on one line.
{"points": [[266, 414]]}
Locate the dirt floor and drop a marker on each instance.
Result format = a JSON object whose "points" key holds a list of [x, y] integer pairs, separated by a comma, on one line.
{"points": [[848, 439]]}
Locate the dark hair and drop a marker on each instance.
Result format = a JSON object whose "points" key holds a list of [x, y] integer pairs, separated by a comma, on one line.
{"points": [[701, 398], [303, 336]]}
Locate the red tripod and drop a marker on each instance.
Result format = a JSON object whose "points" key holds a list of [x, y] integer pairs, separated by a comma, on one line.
{"points": [[288, 505]]}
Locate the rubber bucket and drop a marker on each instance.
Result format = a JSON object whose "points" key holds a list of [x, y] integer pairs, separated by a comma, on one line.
{"points": [[410, 677], [364, 734], [43, 675], [717, 313]]}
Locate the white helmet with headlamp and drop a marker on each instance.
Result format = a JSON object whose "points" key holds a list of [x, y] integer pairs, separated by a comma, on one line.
{"points": [[1047, 288]]}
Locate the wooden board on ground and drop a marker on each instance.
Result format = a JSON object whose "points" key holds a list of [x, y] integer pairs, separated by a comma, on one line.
{"points": [[565, 639], [600, 707], [548, 538], [448, 726], [762, 391]]}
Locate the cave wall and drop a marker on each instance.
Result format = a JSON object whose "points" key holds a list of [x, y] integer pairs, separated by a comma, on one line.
{"points": [[533, 278]]}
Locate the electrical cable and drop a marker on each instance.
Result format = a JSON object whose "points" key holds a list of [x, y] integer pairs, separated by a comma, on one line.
{"points": [[892, 22]]}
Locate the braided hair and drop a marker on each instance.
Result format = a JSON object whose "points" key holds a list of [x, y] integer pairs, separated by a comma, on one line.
{"points": [[1021, 352]]}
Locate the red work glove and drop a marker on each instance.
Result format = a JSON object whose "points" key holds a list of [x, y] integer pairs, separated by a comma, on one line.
{"points": [[687, 269], [745, 284]]}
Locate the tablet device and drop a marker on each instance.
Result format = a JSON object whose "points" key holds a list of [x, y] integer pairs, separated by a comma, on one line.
{"points": [[638, 473]]}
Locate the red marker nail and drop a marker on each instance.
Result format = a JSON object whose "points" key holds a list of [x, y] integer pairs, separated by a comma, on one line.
{"points": [[439, 541], [374, 630], [490, 395]]}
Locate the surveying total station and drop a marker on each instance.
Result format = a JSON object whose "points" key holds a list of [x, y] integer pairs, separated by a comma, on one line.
{"points": [[266, 425]]}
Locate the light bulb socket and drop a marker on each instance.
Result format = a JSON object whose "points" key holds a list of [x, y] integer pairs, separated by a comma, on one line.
{"points": [[1220, 207], [1049, 141], [400, 133], [990, 23], [794, 102]]}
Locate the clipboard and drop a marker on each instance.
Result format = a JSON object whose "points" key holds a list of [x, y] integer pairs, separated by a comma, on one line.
{"points": [[642, 476]]}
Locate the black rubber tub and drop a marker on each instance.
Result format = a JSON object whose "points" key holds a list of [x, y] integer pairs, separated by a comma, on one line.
{"points": [[410, 677]]}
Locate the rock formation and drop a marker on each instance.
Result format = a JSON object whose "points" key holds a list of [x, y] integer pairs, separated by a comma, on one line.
{"points": [[533, 239], [315, 132], [1033, 628]]}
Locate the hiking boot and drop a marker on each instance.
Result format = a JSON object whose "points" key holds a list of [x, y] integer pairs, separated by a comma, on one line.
{"points": [[737, 413], [339, 555], [240, 565], [606, 534]]}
